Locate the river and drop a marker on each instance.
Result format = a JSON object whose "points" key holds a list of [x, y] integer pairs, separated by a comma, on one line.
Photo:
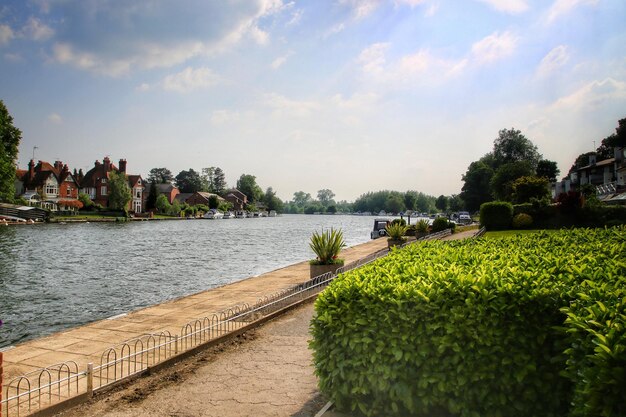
{"points": [[54, 277]]}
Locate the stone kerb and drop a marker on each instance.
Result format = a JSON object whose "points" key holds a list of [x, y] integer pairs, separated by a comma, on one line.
{"points": [[1, 382]]}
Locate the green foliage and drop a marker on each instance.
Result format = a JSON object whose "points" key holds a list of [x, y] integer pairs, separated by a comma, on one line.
{"points": [[394, 201], [214, 202], [522, 221], [247, 185], [396, 230], [511, 146], [162, 205], [524, 189], [422, 226], [120, 193], [152, 196], [189, 181], [87, 203], [326, 246], [10, 137], [325, 197], [504, 177], [547, 169], [160, 176], [476, 184], [439, 224], [399, 221], [496, 215], [529, 325], [442, 203]]}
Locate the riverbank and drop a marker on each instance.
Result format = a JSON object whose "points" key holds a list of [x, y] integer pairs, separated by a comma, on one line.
{"points": [[86, 344]]}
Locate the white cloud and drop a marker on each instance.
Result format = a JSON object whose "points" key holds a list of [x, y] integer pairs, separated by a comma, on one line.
{"points": [[221, 117], [278, 62], [54, 118], [189, 80], [125, 44], [494, 47], [296, 17], [13, 57], [373, 57], [36, 30], [508, 6], [410, 3], [143, 87], [562, 7], [592, 95], [554, 60], [283, 106], [6, 34]]}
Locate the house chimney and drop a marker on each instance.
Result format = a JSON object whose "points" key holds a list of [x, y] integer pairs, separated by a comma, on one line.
{"points": [[107, 164], [31, 169], [58, 165], [123, 165]]}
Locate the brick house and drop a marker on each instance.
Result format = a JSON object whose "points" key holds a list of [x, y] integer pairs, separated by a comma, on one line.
{"points": [[201, 197], [46, 184], [95, 184], [168, 190], [238, 199]]}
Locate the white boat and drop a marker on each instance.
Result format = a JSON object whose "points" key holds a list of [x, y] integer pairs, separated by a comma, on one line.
{"points": [[228, 215], [272, 213], [213, 214], [240, 214], [263, 214]]}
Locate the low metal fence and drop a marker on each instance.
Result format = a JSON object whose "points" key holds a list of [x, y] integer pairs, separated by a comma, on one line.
{"points": [[42, 388]]}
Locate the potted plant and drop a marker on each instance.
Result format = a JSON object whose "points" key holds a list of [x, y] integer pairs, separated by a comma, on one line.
{"points": [[326, 246], [421, 228], [395, 233]]}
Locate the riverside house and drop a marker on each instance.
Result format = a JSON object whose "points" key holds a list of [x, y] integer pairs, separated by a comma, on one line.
{"points": [[46, 185], [95, 184], [238, 199]]}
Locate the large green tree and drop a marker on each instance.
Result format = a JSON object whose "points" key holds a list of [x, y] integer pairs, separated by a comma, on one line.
{"points": [[505, 175], [476, 188], [152, 196], [547, 169], [442, 203], [219, 181], [301, 199], [325, 197], [189, 181], [247, 185], [10, 137], [525, 189], [119, 191], [512, 146], [272, 201], [160, 176]]}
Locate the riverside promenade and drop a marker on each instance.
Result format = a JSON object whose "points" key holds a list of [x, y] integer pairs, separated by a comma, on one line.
{"points": [[85, 344]]}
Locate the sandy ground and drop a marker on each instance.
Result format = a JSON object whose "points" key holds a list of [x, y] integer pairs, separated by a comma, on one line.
{"points": [[264, 372]]}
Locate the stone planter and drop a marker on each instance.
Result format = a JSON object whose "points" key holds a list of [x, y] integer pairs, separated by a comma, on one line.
{"points": [[395, 242], [419, 235], [317, 270]]}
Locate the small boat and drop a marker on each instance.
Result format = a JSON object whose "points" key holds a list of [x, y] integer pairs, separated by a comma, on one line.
{"points": [[272, 213], [240, 214], [213, 214], [228, 215]]}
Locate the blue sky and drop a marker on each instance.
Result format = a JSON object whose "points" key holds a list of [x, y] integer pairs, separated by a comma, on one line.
{"points": [[350, 95]]}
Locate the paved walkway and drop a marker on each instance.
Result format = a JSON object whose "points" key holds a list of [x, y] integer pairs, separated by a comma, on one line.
{"points": [[86, 343]]}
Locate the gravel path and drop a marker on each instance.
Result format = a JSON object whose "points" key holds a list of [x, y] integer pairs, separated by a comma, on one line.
{"points": [[265, 372]]}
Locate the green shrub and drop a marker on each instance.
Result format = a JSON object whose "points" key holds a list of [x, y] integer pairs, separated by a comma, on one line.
{"points": [[439, 224], [529, 325], [522, 221], [396, 230], [422, 226], [399, 221], [326, 246], [496, 215]]}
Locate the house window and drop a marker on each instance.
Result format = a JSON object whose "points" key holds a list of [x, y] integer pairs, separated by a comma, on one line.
{"points": [[137, 206], [138, 193], [69, 191], [51, 189], [103, 180], [103, 190]]}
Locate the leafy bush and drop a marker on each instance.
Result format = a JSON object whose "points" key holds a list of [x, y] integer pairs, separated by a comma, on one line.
{"points": [[439, 224], [422, 226], [399, 221], [496, 215], [522, 221], [530, 325], [326, 246], [396, 231]]}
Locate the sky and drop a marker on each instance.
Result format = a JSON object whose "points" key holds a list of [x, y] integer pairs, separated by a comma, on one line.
{"points": [[348, 95]]}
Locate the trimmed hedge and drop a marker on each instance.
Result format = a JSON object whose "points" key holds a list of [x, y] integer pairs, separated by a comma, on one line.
{"points": [[496, 215], [520, 326]]}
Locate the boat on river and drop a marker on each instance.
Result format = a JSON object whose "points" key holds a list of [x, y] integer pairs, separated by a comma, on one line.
{"points": [[228, 215], [213, 214]]}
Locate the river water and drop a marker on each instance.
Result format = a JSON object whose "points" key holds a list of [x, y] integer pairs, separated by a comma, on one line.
{"points": [[54, 277]]}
